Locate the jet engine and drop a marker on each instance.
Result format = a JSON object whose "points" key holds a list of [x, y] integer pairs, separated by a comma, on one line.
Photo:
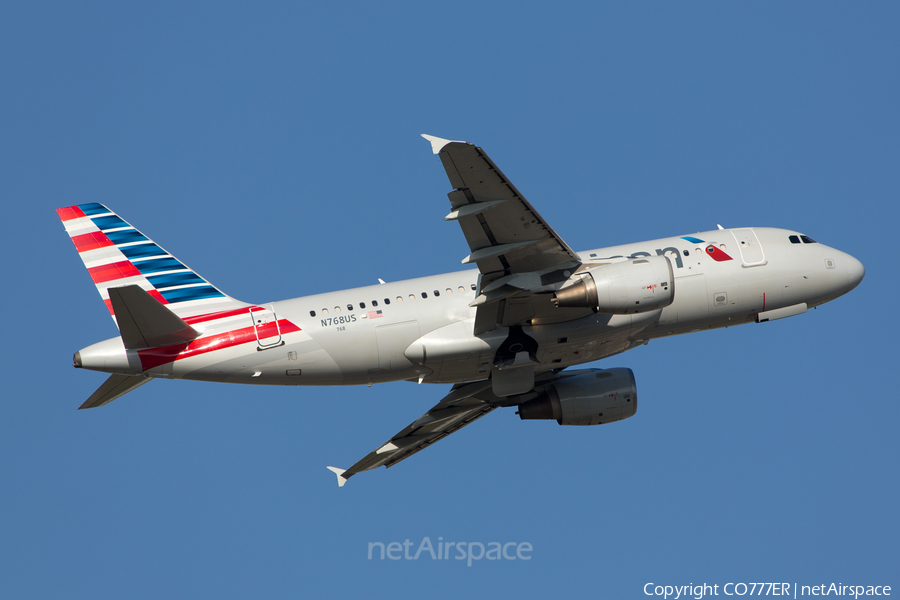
{"points": [[590, 397], [632, 286]]}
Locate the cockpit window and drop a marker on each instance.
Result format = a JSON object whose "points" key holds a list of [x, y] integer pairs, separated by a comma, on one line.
{"points": [[794, 239], [807, 240]]}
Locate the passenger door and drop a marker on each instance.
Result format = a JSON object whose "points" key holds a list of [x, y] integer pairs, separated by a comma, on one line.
{"points": [[265, 324], [752, 254]]}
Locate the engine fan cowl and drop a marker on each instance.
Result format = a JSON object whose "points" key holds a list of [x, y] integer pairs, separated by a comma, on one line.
{"points": [[591, 397], [633, 286]]}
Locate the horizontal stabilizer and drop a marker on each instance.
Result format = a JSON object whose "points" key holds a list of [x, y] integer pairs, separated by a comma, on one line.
{"points": [[114, 387], [144, 322], [340, 475]]}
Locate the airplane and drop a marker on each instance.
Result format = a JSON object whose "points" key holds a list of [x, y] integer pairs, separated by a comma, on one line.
{"points": [[504, 335]]}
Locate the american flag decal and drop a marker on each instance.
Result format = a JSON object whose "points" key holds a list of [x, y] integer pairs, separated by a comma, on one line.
{"points": [[375, 314]]}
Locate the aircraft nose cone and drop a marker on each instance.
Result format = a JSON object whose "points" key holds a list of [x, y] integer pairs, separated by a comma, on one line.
{"points": [[76, 360], [855, 272]]}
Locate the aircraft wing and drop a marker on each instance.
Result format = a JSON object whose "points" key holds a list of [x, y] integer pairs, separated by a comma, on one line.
{"points": [[464, 404], [514, 248]]}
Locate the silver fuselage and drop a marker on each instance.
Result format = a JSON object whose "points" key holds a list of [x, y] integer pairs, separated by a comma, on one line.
{"points": [[422, 329]]}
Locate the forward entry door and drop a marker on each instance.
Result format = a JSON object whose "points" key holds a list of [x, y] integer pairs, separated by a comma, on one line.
{"points": [[752, 254]]}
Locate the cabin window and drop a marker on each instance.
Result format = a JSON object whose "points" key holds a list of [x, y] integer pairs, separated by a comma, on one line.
{"points": [[412, 296], [807, 240], [324, 311], [337, 309], [349, 307], [387, 300], [794, 239], [686, 253], [362, 304], [473, 287], [449, 290], [437, 293], [374, 302], [312, 313], [399, 298], [424, 294], [462, 289]]}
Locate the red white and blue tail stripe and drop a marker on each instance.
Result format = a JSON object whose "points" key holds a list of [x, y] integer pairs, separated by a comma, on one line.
{"points": [[117, 254]]}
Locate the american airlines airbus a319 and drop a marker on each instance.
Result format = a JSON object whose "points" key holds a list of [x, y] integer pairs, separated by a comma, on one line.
{"points": [[504, 335]]}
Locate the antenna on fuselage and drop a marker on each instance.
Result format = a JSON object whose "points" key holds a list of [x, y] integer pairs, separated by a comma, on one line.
{"points": [[719, 226]]}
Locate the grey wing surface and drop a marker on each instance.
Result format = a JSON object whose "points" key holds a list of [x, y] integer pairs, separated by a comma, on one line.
{"points": [[516, 250], [464, 404], [505, 233]]}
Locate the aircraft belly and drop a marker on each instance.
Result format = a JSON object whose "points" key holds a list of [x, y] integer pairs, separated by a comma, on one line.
{"points": [[355, 352], [303, 363], [392, 340], [588, 339], [453, 353], [458, 356]]}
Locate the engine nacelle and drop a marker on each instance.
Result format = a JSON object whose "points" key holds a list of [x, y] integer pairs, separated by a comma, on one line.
{"points": [[633, 286], [591, 397]]}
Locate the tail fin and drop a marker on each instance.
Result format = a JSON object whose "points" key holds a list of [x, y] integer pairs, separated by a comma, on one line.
{"points": [[116, 254]]}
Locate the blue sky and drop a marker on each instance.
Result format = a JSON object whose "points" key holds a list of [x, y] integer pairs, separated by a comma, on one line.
{"points": [[275, 150]]}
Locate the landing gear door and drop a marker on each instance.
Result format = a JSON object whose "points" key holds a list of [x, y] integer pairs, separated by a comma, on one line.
{"points": [[265, 324], [752, 254]]}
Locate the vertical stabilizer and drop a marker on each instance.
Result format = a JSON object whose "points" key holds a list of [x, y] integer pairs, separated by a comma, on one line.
{"points": [[116, 254]]}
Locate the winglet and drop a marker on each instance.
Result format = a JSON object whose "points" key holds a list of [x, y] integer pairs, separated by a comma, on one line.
{"points": [[437, 144], [340, 475]]}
